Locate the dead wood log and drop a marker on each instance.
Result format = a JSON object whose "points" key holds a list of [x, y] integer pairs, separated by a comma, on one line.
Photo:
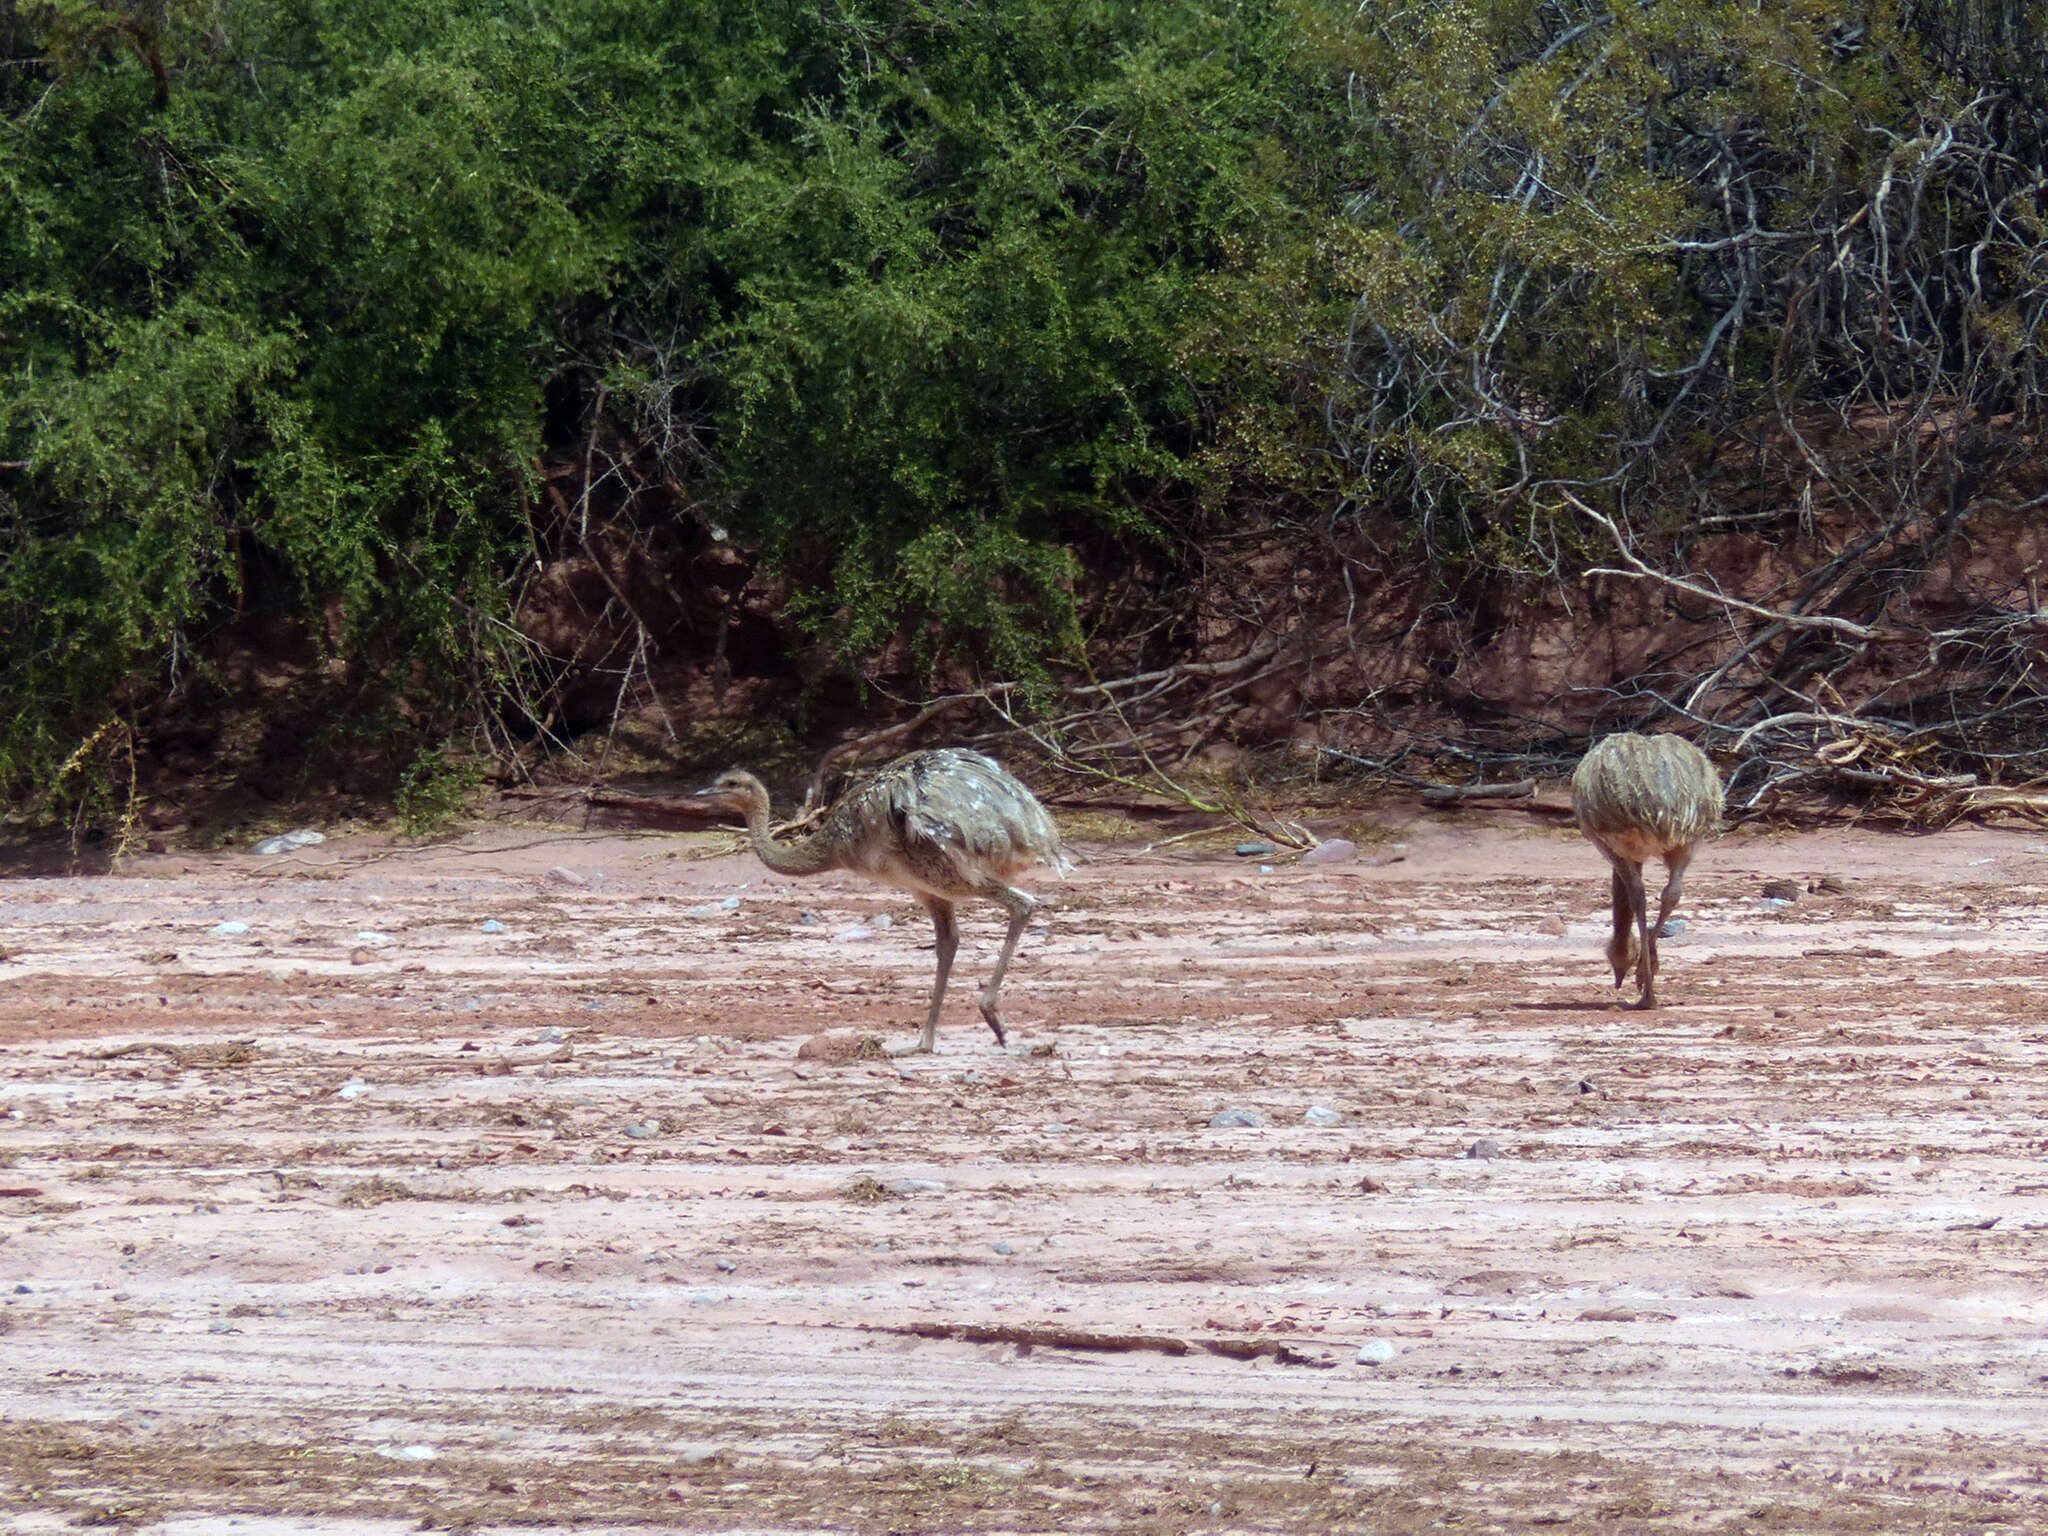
{"points": [[1040, 1338], [1454, 794], [1114, 1343], [1272, 1349], [681, 807]]}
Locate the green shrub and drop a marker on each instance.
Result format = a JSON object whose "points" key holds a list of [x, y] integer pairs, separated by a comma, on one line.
{"points": [[434, 791]]}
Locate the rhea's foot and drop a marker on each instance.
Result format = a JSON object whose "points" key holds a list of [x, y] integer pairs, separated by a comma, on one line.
{"points": [[995, 1022]]}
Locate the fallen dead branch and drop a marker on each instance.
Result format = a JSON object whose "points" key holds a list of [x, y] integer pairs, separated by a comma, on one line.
{"points": [[1039, 1338], [1639, 570], [1798, 709], [1109, 734], [682, 807], [226, 1053], [1269, 1349], [1453, 794], [1110, 1343]]}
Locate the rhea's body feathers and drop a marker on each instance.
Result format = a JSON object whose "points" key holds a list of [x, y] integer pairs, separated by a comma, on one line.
{"points": [[943, 823], [1643, 796]]}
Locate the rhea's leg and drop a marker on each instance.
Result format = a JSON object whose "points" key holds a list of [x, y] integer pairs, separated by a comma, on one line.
{"points": [[1621, 948], [1674, 887], [948, 934], [1646, 938], [1020, 908]]}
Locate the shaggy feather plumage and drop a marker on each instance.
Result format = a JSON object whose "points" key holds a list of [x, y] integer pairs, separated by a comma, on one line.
{"points": [[1662, 787], [944, 822], [1639, 798]]}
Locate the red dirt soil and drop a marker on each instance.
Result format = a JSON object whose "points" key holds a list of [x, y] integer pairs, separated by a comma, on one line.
{"points": [[552, 1226]]}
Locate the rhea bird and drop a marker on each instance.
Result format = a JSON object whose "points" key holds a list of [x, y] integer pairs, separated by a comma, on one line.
{"points": [[1637, 798], [946, 825]]}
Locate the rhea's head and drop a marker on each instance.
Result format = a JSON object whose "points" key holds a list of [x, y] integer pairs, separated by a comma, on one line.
{"points": [[734, 790]]}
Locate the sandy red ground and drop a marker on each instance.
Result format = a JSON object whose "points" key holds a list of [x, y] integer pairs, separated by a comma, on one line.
{"points": [[553, 1226]]}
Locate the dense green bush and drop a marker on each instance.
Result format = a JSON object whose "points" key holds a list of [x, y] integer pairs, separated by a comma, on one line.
{"points": [[1599, 242], [298, 300], [907, 294]]}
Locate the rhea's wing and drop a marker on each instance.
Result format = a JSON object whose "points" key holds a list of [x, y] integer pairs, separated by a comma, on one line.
{"points": [[966, 806]]}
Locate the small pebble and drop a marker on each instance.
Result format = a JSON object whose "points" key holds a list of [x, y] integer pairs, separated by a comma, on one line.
{"points": [[808, 918], [851, 935], [22, 1290], [221, 1325], [562, 876], [1265, 869], [372, 936], [709, 909], [1774, 903], [1322, 1114], [880, 921], [731, 903], [1004, 1248], [230, 928], [1376, 1352], [725, 1265], [917, 1186], [1673, 927], [354, 1088], [1254, 850], [1556, 927], [1485, 1146], [697, 1455], [1334, 851], [408, 1453], [641, 1130], [492, 925], [1231, 1119]]}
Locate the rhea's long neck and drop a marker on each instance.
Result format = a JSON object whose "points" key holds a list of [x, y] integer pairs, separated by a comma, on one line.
{"points": [[807, 857]]}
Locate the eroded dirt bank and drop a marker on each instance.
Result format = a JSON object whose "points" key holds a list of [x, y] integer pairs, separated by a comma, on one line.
{"points": [[549, 1223]]}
